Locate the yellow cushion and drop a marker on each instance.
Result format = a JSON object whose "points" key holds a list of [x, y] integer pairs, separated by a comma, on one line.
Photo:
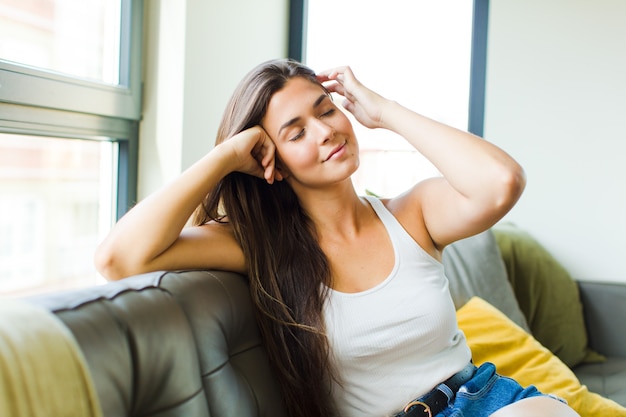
{"points": [[492, 337]]}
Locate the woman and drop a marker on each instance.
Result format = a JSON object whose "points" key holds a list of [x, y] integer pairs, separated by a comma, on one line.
{"points": [[350, 293]]}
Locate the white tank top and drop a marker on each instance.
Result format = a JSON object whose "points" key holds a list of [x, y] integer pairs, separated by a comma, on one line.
{"points": [[397, 340]]}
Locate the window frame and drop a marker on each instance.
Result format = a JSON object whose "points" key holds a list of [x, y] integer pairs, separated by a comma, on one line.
{"points": [[478, 66], [44, 103]]}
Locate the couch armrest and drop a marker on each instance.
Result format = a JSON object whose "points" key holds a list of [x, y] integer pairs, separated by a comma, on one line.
{"points": [[605, 316]]}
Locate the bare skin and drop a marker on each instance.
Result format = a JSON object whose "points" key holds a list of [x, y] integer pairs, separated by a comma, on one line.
{"points": [[306, 140], [536, 406]]}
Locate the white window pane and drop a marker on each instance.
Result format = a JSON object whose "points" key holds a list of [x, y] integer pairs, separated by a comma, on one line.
{"points": [[416, 52], [74, 37], [56, 202]]}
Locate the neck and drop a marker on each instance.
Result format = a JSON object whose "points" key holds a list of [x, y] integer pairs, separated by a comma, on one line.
{"points": [[337, 210]]}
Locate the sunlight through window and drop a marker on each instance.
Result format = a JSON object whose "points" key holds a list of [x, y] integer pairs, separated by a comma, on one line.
{"points": [[414, 52]]}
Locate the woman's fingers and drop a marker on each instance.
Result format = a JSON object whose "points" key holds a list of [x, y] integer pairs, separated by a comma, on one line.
{"points": [[364, 104], [340, 80], [336, 88], [335, 80], [264, 152], [334, 73]]}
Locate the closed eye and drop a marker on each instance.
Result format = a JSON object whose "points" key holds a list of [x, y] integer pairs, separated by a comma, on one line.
{"points": [[328, 113], [298, 136]]}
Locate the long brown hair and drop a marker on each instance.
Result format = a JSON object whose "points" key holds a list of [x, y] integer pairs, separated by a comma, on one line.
{"points": [[288, 272]]}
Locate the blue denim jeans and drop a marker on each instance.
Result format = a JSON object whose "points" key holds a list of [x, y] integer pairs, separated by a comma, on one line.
{"points": [[486, 393]]}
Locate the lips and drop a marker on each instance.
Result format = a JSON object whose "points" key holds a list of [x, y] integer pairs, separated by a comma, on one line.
{"points": [[334, 151]]}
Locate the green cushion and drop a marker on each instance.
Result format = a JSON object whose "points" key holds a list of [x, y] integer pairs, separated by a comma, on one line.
{"points": [[546, 294]]}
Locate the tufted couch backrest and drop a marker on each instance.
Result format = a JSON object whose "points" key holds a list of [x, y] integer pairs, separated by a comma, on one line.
{"points": [[186, 343], [171, 344]]}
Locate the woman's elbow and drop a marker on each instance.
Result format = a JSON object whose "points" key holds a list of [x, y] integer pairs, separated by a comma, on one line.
{"points": [[108, 265], [512, 184]]}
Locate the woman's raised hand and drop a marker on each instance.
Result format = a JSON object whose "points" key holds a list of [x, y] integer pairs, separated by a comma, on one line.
{"points": [[366, 105], [254, 154]]}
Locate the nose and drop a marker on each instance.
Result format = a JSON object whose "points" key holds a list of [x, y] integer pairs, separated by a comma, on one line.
{"points": [[325, 131]]}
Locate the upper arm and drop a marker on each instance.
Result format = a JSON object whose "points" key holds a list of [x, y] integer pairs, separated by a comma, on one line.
{"points": [[447, 214], [436, 214], [210, 246]]}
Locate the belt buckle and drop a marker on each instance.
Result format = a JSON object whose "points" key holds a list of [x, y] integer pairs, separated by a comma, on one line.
{"points": [[417, 403]]}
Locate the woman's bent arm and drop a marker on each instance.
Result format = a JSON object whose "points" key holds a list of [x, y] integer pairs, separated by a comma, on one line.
{"points": [[480, 183], [151, 236]]}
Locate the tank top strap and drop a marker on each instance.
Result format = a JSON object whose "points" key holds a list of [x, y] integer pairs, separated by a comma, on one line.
{"points": [[396, 231]]}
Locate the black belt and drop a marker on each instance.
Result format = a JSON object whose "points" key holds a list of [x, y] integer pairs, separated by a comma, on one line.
{"points": [[436, 400]]}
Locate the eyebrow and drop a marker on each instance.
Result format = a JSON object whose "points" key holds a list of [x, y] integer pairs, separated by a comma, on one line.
{"points": [[293, 121]]}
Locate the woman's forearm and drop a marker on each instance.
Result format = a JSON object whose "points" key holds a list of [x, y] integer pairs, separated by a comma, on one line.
{"points": [[155, 223], [474, 167]]}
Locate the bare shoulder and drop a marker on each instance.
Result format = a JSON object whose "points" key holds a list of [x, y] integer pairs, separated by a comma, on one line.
{"points": [[436, 214], [409, 203], [407, 209]]}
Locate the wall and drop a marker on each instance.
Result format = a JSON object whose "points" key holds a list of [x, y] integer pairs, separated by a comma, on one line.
{"points": [[195, 52], [556, 100]]}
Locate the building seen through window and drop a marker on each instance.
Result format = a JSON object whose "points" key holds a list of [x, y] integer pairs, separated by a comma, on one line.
{"points": [[74, 37], [55, 204], [58, 170]]}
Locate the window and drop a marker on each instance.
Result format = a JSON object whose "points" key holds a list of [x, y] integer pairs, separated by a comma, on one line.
{"points": [[55, 206], [80, 38], [69, 105], [416, 52]]}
